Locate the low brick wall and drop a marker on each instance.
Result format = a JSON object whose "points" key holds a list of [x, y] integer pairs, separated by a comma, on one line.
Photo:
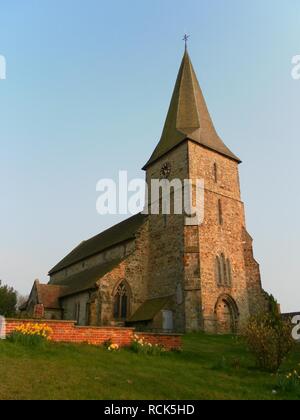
{"points": [[68, 332], [169, 341]]}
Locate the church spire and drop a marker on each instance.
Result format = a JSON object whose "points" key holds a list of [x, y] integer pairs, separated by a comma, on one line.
{"points": [[188, 117]]}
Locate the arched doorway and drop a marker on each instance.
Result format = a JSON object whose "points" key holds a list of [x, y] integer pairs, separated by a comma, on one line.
{"points": [[227, 315]]}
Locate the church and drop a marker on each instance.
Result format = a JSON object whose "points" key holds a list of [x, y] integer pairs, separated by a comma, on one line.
{"points": [[154, 272]]}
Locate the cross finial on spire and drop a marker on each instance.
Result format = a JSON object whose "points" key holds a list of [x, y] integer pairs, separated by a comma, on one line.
{"points": [[185, 39]]}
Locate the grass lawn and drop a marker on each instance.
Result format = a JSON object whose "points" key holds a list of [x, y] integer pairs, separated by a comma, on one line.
{"points": [[81, 372]]}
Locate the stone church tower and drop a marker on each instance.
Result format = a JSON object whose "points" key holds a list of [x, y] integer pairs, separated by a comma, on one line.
{"points": [[209, 268], [155, 271]]}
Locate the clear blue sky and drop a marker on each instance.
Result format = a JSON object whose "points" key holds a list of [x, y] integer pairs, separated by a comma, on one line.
{"points": [[87, 91]]}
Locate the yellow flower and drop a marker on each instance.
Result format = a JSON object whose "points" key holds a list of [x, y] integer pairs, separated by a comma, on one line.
{"points": [[41, 330]]}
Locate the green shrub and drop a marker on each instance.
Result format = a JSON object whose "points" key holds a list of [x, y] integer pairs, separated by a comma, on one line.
{"points": [[269, 338]]}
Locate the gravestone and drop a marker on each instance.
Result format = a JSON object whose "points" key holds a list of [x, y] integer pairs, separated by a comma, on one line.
{"points": [[2, 328]]}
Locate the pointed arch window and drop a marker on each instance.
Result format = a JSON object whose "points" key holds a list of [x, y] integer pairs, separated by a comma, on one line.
{"points": [[229, 272], [218, 271], [122, 302], [223, 271]]}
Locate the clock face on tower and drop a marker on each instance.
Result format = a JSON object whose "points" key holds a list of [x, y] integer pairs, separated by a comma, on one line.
{"points": [[166, 170]]}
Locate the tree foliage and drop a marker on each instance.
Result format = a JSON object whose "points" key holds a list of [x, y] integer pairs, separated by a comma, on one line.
{"points": [[8, 300]]}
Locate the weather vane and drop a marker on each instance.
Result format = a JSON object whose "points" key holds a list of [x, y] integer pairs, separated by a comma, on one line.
{"points": [[185, 39]]}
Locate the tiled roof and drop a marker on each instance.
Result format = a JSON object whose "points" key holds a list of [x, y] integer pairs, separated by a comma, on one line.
{"points": [[119, 233], [49, 295], [87, 279], [149, 309]]}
